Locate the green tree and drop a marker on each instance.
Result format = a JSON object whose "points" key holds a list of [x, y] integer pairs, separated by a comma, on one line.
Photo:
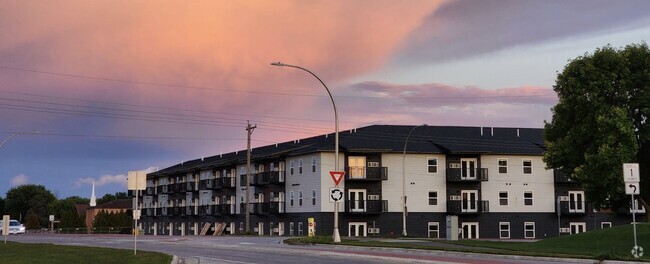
{"points": [[600, 122], [66, 211], [33, 198], [32, 221], [112, 197], [2, 205]]}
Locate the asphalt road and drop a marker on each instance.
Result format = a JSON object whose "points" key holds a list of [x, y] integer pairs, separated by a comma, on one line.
{"points": [[249, 250]]}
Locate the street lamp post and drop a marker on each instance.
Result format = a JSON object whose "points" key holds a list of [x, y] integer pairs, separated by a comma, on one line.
{"points": [[336, 236], [404, 233]]}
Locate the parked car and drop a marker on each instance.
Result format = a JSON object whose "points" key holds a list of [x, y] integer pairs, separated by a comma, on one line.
{"points": [[15, 227]]}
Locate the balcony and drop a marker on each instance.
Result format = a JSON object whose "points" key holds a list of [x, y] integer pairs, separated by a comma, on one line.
{"points": [[191, 187], [164, 211], [468, 207], [367, 206], [181, 187], [366, 173], [151, 190], [210, 184], [268, 177], [227, 209], [206, 210], [165, 189], [150, 211], [191, 210], [228, 182], [178, 211], [467, 175]]}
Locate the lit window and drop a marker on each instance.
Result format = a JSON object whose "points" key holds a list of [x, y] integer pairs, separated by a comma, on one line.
{"points": [[432, 164], [528, 166], [503, 166]]}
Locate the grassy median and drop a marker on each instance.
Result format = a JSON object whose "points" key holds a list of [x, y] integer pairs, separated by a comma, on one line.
{"points": [[19, 253]]}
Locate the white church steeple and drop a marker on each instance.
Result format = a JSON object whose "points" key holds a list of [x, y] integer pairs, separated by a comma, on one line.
{"points": [[93, 199]]}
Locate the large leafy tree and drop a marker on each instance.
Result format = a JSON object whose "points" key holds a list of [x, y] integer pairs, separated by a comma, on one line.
{"points": [[66, 211], [33, 199], [112, 197], [601, 122]]}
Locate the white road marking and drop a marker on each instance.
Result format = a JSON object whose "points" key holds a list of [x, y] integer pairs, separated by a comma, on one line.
{"points": [[223, 260]]}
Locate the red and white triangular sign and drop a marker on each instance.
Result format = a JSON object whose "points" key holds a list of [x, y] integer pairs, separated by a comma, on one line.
{"points": [[337, 176]]}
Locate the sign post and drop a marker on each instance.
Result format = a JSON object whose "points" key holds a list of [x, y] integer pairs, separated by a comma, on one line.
{"points": [[631, 179], [5, 226], [337, 176], [137, 181]]}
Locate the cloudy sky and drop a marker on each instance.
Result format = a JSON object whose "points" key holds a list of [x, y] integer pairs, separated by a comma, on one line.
{"points": [[114, 86]]}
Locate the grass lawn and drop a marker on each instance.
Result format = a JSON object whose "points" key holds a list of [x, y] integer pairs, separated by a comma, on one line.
{"points": [[19, 253], [611, 243]]}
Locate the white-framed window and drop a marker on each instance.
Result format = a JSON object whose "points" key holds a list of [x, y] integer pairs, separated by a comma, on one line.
{"points": [[291, 198], [528, 198], [433, 197], [576, 201], [291, 167], [313, 164], [529, 229], [503, 166], [313, 197], [434, 229], [604, 225], [503, 198], [577, 227], [300, 228], [299, 198], [291, 228], [432, 165], [300, 166], [504, 229], [527, 165]]}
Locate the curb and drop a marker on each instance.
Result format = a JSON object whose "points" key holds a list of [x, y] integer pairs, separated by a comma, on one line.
{"points": [[174, 259]]}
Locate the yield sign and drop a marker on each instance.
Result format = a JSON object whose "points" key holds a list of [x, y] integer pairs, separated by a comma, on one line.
{"points": [[337, 176]]}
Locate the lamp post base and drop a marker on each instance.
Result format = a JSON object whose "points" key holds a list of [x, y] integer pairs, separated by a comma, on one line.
{"points": [[336, 236]]}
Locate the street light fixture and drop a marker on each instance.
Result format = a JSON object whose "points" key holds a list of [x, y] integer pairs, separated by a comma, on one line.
{"points": [[336, 236], [404, 233], [16, 134]]}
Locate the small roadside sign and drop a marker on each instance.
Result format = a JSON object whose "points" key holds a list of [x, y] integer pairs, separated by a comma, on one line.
{"points": [[5, 226], [632, 188], [631, 172], [337, 176], [336, 195]]}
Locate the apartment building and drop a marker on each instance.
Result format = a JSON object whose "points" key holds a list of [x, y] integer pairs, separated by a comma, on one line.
{"points": [[492, 180]]}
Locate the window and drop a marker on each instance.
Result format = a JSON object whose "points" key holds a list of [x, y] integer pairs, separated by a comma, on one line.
{"points": [[300, 228], [291, 167], [313, 164], [299, 198], [503, 166], [529, 229], [432, 164], [242, 171], [313, 197], [504, 229], [434, 229], [291, 228], [576, 202], [433, 197], [503, 198], [291, 198], [241, 226], [604, 225], [528, 198], [300, 166], [528, 166]]}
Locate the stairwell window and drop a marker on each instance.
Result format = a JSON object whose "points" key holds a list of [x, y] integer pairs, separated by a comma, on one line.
{"points": [[291, 198], [432, 165], [300, 166], [313, 164], [291, 167], [503, 166], [528, 166], [299, 198], [313, 197]]}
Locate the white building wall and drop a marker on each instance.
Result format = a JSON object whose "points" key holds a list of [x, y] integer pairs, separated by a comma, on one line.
{"points": [[326, 181], [418, 182], [515, 182]]}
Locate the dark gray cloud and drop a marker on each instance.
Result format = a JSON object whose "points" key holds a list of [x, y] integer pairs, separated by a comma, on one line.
{"points": [[461, 29]]}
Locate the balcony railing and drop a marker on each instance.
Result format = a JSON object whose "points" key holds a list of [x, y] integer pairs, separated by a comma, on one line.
{"points": [[367, 206], [191, 210], [209, 210], [366, 173], [228, 182], [268, 177], [468, 207], [211, 184], [467, 175], [151, 190], [164, 211], [227, 209]]}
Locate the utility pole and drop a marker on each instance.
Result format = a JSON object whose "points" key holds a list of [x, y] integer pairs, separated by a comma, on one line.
{"points": [[249, 130]]}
